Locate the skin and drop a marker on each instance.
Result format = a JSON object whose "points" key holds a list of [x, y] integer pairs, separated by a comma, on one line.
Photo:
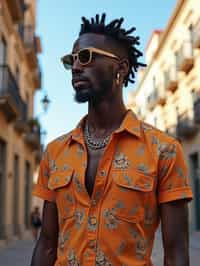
{"points": [[103, 119]]}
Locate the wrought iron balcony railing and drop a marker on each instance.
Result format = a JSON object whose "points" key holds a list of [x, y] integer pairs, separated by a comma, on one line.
{"points": [[33, 135], [27, 33], [37, 77], [11, 102]]}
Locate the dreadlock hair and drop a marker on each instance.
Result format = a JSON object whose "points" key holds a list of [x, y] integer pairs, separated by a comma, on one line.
{"points": [[114, 30]]}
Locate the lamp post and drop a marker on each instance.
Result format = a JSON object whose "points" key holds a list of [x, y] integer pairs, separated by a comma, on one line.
{"points": [[45, 104]]}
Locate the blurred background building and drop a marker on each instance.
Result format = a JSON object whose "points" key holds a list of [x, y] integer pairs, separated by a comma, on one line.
{"points": [[167, 94], [20, 138]]}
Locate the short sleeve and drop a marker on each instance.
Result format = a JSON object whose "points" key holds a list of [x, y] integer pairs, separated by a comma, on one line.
{"points": [[173, 176], [41, 189]]}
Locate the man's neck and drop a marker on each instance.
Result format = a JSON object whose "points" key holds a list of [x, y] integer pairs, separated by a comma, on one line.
{"points": [[105, 118]]}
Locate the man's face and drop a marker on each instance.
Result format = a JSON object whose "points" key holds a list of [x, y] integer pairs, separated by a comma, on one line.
{"points": [[93, 82]]}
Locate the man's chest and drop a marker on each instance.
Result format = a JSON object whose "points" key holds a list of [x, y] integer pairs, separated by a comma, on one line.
{"points": [[93, 160]]}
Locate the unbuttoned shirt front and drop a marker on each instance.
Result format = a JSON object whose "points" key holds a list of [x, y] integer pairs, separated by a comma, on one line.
{"points": [[141, 168]]}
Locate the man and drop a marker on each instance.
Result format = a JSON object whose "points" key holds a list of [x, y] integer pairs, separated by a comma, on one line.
{"points": [[109, 182]]}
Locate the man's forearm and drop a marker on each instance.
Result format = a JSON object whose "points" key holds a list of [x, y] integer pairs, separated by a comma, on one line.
{"points": [[177, 257], [45, 253]]}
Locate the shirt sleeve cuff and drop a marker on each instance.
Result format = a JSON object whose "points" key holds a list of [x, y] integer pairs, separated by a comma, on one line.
{"points": [[175, 194], [44, 193]]}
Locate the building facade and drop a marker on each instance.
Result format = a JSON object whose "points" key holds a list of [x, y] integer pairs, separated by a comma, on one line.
{"points": [[20, 147], [167, 94]]}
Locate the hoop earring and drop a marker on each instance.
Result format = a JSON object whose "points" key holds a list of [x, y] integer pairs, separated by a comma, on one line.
{"points": [[118, 78]]}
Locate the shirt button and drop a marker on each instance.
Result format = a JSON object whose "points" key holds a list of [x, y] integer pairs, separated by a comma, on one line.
{"points": [[94, 202], [102, 173], [93, 220], [92, 243]]}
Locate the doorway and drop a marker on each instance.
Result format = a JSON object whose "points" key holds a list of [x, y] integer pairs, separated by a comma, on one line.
{"points": [[27, 192], [194, 165], [16, 195], [2, 186]]}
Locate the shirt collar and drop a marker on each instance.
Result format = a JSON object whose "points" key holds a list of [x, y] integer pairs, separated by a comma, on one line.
{"points": [[130, 123]]}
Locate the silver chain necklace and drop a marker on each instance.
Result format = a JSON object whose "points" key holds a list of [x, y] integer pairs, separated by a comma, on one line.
{"points": [[94, 144]]}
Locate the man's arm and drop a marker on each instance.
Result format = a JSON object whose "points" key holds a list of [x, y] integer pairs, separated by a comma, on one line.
{"points": [[45, 252], [174, 220]]}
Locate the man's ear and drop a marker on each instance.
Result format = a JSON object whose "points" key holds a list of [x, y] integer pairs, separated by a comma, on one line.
{"points": [[124, 67]]}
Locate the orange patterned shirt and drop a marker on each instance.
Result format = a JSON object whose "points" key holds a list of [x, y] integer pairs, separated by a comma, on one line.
{"points": [[141, 168]]}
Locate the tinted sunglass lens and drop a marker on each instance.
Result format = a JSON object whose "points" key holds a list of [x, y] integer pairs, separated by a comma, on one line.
{"points": [[68, 61], [84, 56]]}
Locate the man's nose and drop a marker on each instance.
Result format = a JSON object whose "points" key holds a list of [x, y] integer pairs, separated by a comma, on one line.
{"points": [[76, 67]]}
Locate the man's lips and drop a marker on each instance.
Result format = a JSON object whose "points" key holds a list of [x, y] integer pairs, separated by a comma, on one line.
{"points": [[79, 82]]}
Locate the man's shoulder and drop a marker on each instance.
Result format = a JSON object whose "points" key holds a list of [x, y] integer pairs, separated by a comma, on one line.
{"points": [[157, 137], [58, 142]]}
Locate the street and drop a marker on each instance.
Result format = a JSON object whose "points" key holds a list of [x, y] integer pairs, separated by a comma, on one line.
{"points": [[19, 253]]}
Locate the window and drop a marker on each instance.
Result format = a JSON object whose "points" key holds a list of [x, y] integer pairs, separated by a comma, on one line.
{"points": [[27, 193], [3, 51], [177, 113], [15, 211], [3, 163], [191, 33], [177, 58], [27, 104], [155, 121], [17, 75]]}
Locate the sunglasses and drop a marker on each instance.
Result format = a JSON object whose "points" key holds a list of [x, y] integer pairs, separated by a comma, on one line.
{"points": [[84, 57]]}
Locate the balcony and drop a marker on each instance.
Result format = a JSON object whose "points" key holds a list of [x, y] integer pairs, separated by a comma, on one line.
{"points": [[196, 36], [152, 99], [32, 137], [186, 128], [31, 43], [37, 77], [197, 111], [21, 123], [185, 60], [161, 95], [38, 154], [11, 103], [170, 77], [16, 8]]}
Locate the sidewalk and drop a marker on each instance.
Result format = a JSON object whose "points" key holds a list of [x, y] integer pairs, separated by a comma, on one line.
{"points": [[19, 253], [157, 254]]}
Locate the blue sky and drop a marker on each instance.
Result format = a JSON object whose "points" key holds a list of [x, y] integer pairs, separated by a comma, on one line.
{"points": [[58, 26]]}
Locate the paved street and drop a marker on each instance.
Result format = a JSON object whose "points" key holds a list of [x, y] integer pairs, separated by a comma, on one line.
{"points": [[157, 255], [19, 253]]}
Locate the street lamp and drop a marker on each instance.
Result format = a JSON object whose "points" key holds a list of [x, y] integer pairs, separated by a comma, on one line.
{"points": [[45, 102]]}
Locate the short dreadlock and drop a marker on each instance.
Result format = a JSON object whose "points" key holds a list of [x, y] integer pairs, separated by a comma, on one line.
{"points": [[114, 30]]}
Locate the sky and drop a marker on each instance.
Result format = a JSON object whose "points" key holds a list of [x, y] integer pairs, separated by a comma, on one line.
{"points": [[58, 26]]}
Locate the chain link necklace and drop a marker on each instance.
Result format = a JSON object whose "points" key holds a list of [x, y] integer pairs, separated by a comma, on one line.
{"points": [[94, 144]]}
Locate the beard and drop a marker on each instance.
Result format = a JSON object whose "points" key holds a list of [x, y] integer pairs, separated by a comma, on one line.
{"points": [[94, 95]]}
